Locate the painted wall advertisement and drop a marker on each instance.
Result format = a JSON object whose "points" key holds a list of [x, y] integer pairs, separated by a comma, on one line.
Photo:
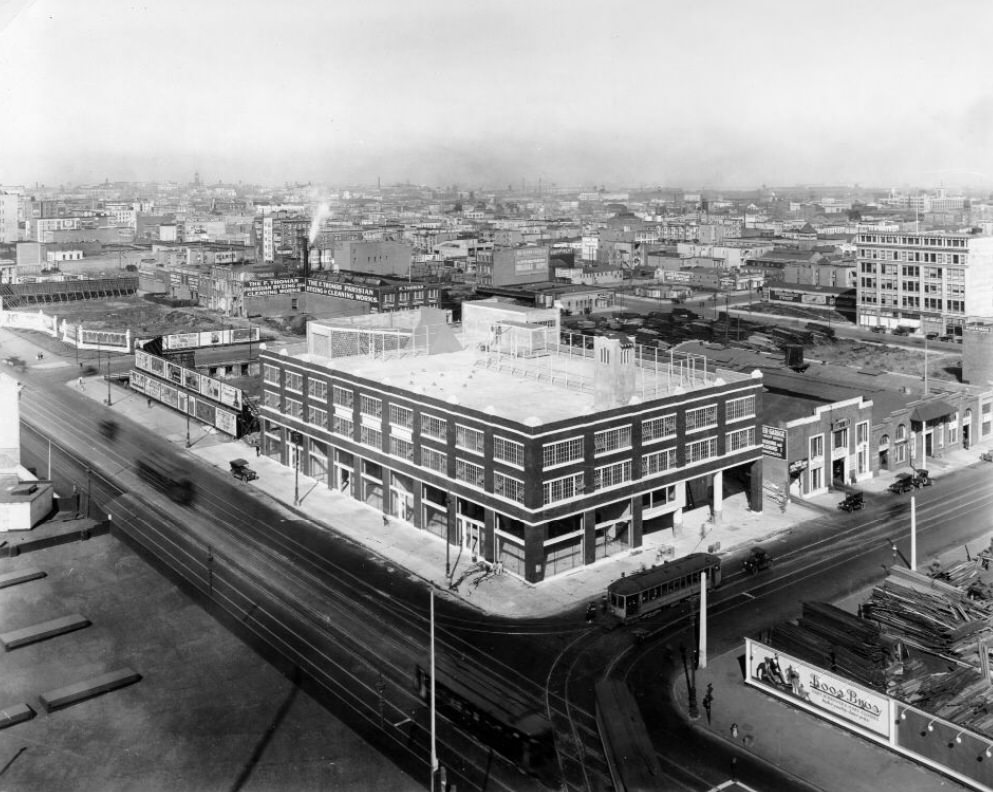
{"points": [[774, 441], [818, 690]]}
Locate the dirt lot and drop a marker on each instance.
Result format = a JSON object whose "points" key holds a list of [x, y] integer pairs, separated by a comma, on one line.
{"points": [[876, 357], [143, 317]]}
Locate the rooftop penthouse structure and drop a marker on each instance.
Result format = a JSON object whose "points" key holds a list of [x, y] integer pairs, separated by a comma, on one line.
{"points": [[519, 444]]}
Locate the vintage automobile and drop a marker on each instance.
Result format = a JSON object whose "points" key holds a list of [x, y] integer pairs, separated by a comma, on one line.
{"points": [[757, 560], [241, 470], [922, 478], [904, 482], [853, 502], [986, 456]]}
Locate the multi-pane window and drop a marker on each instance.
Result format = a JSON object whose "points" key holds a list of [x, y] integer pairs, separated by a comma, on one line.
{"points": [[293, 408], [611, 475], [862, 432], [469, 473], [271, 399], [369, 405], [469, 439], [840, 438], [701, 450], [370, 437], [401, 416], [658, 428], [739, 409], [701, 418], [294, 382], [658, 462], [401, 448], [317, 389], [270, 374], [434, 460], [317, 417], [342, 426], [816, 446], [508, 487], [739, 439], [434, 427], [562, 488], [562, 453], [612, 440], [508, 451], [343, 397]]}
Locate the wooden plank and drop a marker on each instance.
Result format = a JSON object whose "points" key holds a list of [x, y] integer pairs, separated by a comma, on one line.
{"points": [[81, 691], [20, 576], [43, 631], [18, 713]]}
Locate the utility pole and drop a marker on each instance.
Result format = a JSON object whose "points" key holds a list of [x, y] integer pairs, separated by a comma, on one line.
{"points": [[434, 746], [108, 379], [703, 620]]}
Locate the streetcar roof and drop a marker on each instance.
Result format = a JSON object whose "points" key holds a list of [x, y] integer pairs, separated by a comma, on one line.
{"points": [[687, 565], [488, 694]]}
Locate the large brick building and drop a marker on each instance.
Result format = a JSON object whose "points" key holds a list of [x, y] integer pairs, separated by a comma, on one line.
{"points": [[929, 281], [522, 446]]}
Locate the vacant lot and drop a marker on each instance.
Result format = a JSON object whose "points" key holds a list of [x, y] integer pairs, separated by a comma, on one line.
{"points": [[879, 357]]}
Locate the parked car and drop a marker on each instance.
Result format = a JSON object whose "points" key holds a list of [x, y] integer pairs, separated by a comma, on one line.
{"points": [[986, 456], [757, 560], [904, 482], [240, 470], [853, 502]]}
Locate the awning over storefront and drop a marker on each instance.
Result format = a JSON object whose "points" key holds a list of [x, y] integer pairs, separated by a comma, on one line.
{"points": [[932, 410]]}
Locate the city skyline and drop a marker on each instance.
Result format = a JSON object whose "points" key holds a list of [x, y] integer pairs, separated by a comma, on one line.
{"points": [[442, 93]]}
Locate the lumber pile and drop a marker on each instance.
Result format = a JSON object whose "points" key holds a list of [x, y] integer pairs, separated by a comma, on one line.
{"points": [[940, 623], [836, 640]]}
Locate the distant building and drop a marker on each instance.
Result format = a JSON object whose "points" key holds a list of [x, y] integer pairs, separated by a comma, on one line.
{"points": [[512, 266], [929, 281], [8, 217], [391, 259]]}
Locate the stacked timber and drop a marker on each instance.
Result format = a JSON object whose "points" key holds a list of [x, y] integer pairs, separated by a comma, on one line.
{"points": [[948, 625], [833, 639]]}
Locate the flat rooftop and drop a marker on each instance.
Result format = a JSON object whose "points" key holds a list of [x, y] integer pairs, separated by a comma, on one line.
{"points": [[527, 374]]}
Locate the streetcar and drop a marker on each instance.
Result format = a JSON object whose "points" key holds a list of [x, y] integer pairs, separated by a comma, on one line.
{"points": [[643, 593], [168, 477], [634, 765], [510, 723]]}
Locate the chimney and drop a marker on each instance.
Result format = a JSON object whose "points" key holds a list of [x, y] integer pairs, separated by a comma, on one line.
{"points": [[305, 256], [613, 371]]}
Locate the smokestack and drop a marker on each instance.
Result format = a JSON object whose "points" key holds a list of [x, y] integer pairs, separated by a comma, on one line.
{"points": [[305, 256]]}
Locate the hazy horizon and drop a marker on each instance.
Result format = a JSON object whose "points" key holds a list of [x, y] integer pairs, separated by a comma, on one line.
{"points": [[441, 92]]}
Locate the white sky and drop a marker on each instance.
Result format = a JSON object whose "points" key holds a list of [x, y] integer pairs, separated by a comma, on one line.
{"points": [[714, 93]]}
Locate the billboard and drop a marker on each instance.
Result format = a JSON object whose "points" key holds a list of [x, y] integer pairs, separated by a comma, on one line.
{"points": [[210, 338], [814, 689]]}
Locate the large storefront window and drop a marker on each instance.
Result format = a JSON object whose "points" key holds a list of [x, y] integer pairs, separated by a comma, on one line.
{"points": [[372, 484]]}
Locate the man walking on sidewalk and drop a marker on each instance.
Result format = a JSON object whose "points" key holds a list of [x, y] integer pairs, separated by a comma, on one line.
{"points": [[708, 700]]}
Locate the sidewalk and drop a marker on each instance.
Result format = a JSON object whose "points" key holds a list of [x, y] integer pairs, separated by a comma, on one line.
{"points": [[798, 743]]}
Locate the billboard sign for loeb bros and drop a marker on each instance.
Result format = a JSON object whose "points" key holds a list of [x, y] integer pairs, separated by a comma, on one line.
{"points": [[812, 688]]}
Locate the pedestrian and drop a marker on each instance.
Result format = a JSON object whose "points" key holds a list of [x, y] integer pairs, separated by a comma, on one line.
{"points": [[708, 702], [734, 731], [734, 768], [386, 521], [81, 383]]}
